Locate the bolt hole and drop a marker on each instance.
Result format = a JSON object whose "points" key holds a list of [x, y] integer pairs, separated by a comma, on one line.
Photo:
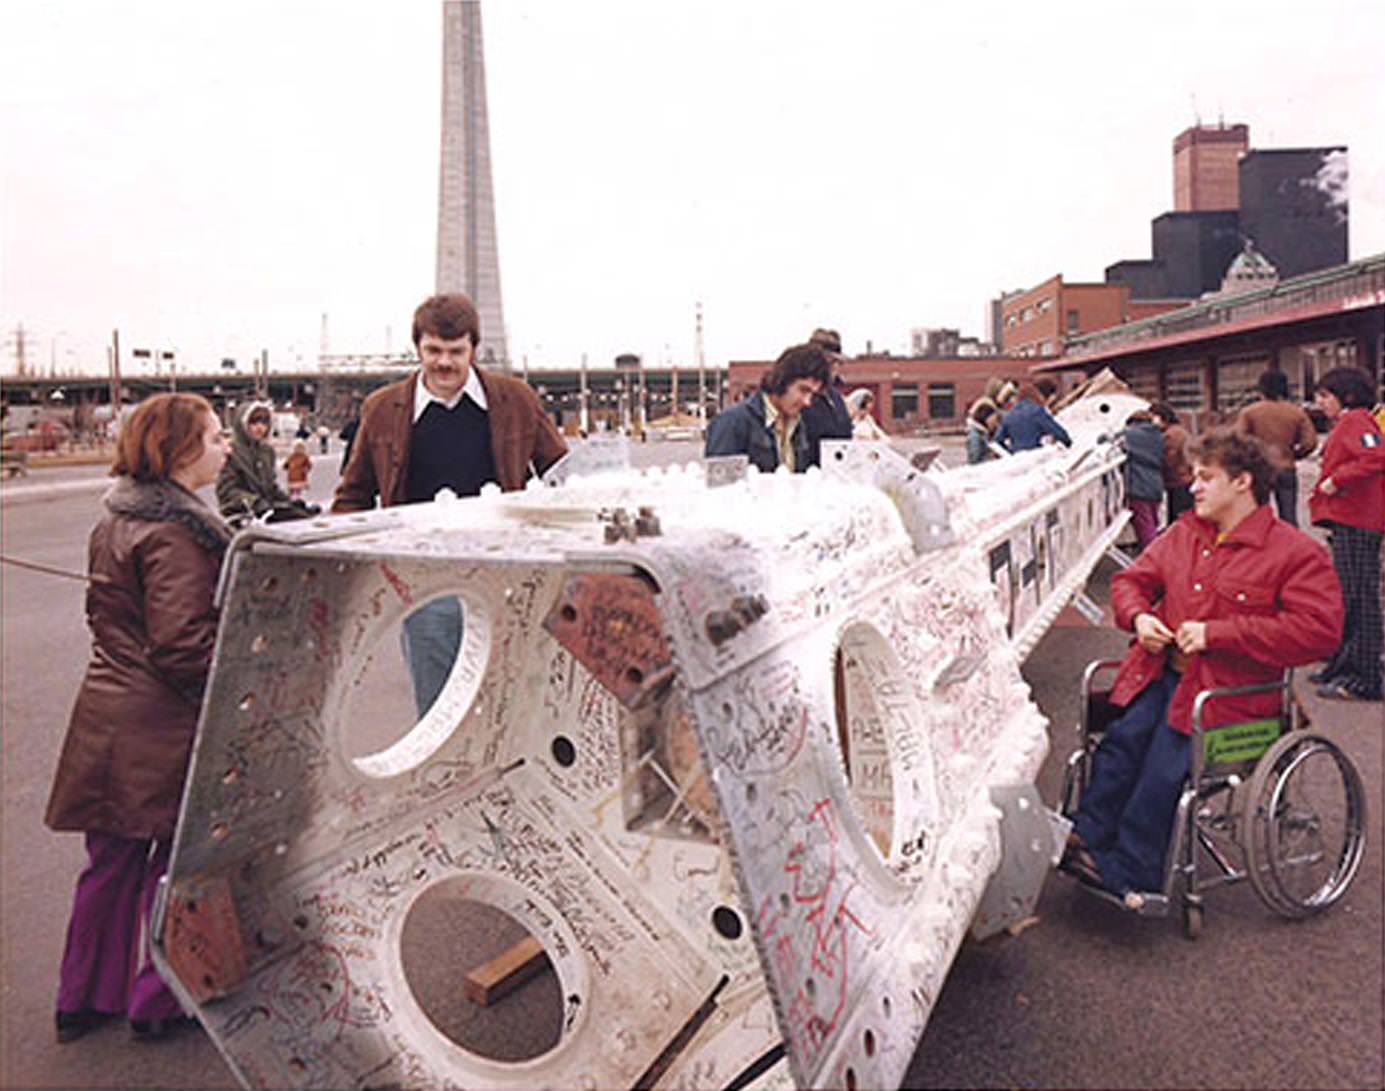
{"points": [[207, 981], [885, 1003], [191, 905], [634, 676], [564, 753], [839, 455], [751, 793], [851, 1079], [568, 612], [784, 902], [810, 987], [727, 922], [300, 921], [869, 1042]]}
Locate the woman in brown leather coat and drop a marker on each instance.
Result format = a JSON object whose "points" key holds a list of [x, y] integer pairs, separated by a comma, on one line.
{"points": [[153, 562]]}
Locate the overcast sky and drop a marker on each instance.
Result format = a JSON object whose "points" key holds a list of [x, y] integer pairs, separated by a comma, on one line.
{"points": [[214, 177]]}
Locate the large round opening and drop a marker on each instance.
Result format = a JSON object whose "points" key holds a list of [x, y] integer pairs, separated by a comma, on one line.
{"points": [[888, 769], [414, 684], [477, 962]]}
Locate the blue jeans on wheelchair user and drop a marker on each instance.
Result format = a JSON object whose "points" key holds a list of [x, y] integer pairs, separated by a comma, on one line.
{"points": [[431, 637], [1127, 811]]}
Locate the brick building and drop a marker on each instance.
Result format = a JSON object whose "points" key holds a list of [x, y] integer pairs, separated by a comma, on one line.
{"points": [[1206, 162], [1040, 321]]}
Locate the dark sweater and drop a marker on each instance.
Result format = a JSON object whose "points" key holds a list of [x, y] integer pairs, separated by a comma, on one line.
{"points": [[450, 448]]}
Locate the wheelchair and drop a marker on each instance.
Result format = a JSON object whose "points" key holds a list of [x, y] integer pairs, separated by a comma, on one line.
{"points": [[1268, 800]]}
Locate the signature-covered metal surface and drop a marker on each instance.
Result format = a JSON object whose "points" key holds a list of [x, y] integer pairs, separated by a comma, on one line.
{"points": [[733, 771]]}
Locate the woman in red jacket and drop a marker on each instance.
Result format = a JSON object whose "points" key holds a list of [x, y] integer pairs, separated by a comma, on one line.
{"points": [[153, 560], [1350, 501]]}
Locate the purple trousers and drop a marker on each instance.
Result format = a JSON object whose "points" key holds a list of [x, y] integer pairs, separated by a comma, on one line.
{"points": [[1144, 518], [106, 964]]}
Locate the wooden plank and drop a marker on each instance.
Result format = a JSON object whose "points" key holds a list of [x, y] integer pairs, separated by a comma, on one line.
{"points": [[506, 972]]}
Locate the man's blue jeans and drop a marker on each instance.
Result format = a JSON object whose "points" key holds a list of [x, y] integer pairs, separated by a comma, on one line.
{"points": [[431, 638], [1127, 811]]}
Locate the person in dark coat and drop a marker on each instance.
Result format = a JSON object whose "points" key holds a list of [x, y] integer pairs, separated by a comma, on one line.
{"points": [[767, 427], [1144, 474], [154, 558], [828, 416], [1024, 426], [248, 485]]}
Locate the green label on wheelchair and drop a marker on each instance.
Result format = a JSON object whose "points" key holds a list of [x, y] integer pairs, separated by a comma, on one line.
{"points": [[1239, 742]]}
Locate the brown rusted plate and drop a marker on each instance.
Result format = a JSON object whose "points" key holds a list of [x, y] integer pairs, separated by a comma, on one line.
{"points": [[202, 938], [611, 626]]}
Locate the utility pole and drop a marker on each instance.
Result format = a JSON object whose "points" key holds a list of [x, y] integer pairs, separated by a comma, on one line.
{"points": [[583, 417], [115, 375], [701, 373], [674, 382]]}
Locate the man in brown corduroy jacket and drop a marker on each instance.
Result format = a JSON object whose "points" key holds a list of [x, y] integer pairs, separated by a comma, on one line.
{"points": [[1288, 434]]}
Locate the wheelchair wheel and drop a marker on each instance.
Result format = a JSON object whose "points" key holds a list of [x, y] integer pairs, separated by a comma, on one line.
{"points": [[1192, 919], [1304, 825]]}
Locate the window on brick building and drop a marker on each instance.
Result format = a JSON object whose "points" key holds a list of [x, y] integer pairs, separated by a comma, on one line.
{"points": [[1074, 321], [942, 400], [904, 400]]}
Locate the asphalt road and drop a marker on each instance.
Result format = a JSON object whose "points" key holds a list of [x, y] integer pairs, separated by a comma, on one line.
{"points": [[1087, 997]]}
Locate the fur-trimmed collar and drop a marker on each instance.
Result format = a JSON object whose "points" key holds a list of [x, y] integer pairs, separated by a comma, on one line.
{"points": [[168, 502]]}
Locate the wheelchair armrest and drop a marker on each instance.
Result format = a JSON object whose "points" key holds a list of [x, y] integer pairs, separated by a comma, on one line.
{"points": [[1087, 723], [1198, 733], [1203, 696]]}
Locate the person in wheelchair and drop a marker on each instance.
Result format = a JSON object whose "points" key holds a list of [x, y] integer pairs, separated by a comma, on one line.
{"points": [[1228, 595]]}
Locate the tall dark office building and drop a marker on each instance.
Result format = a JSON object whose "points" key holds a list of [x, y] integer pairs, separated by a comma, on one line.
{"points": [[1290, 203], [1294, 206]]}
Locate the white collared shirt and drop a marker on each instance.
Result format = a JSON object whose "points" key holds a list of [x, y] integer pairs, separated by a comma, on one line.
{"points": [[473, 390]]}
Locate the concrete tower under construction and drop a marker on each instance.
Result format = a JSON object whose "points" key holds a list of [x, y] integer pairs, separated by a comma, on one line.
{"points": [[468, 254]]}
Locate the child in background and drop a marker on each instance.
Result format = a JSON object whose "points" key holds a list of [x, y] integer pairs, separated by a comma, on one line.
{"points": [[297, 467]]}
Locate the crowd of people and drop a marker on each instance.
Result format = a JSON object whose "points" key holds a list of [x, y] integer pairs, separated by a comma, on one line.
{"points": [[1225, 592]]}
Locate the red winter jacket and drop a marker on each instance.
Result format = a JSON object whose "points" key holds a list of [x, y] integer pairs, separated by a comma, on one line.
{"points": [[1354, 458], [1268, 593]]}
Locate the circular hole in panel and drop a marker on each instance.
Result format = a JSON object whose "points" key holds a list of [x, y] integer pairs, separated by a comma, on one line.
{"points": [[634, 676], [727, 922], [851, 1083], [750, 793], [414, 683], [564, 753], [885, 1005], [568, 612], [875, 706], [463, 922], [868, 1040], [810, 987]]}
